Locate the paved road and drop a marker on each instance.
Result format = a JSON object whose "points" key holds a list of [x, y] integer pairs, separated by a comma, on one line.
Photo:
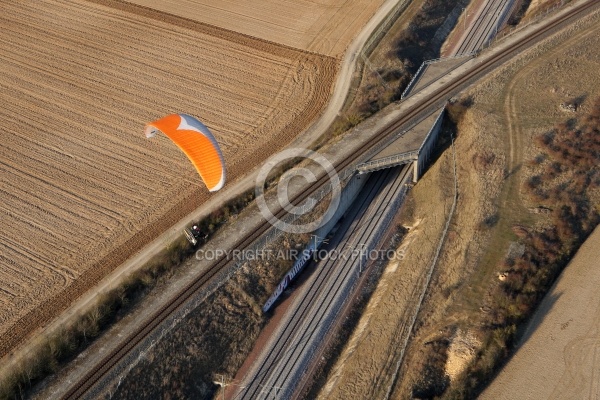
{"points": [[232, 190], [286, 357]]}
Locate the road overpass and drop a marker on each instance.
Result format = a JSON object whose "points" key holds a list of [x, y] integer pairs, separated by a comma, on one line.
{"points": [[411, 146]]}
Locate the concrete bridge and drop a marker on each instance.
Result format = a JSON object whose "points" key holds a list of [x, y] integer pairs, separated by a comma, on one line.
{"points": [[411, 146]]}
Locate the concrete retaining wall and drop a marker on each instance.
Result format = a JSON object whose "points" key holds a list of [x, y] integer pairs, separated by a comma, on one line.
{"points": [[427, 146], [449, 23], [349, 193]]}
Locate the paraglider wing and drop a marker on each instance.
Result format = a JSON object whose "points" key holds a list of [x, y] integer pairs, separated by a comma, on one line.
{"points": [[198, 144]]}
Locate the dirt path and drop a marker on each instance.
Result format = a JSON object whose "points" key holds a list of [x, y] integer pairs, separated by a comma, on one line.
{"points": [[518, 123], [570, 355], [513, 102], [366, 366]]}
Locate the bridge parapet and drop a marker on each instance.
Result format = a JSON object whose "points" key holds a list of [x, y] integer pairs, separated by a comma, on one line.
{"points": [[387, 162]]}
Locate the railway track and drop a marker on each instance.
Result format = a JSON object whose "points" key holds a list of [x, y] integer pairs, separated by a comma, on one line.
{"points": [[317, 310], [292, 325], [436, 99], [481, 31]]}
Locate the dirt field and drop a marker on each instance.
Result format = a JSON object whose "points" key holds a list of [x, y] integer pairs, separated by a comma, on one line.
{"points": [[81, 188], [494, 144], [563, 336], [323, 27]]}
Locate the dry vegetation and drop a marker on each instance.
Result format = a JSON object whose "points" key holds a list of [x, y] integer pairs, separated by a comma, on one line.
{"points": [[219, 330], [49, 354], [86, 84], [529, 189], [221, 347], [389, 69], [522, 246], [82, 189], [215, 338], [533, 7], [365, 368], [525, 10]]}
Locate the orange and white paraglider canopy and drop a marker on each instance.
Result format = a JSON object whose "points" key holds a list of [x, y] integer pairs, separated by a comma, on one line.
{"points": [[198, 144]]}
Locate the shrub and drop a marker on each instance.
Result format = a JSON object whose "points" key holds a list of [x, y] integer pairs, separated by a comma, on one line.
{"points": [[533, 182]]}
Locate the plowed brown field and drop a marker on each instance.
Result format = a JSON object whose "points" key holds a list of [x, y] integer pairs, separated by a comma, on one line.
{"points": [[322, 26], [81, 188]]}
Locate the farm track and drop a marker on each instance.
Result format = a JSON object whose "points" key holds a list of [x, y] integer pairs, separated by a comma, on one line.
{"points": [[435, 100], [80, 185]]}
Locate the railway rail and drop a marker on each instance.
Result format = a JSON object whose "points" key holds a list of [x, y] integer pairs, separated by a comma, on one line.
{"points": [[317, 309], [436, 99], [480, 32]]}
